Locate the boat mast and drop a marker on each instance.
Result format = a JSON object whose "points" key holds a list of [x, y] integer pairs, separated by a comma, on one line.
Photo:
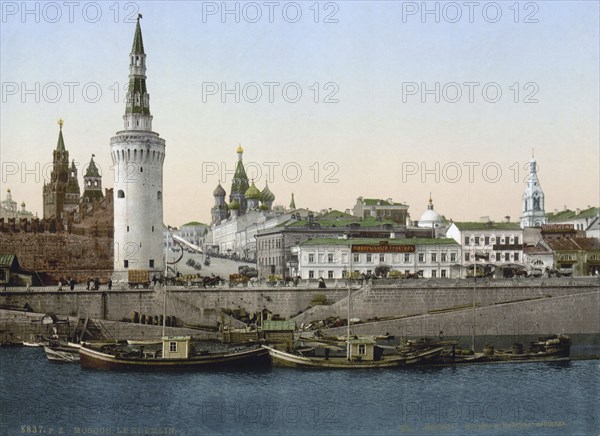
{"points": [[474, 285], [165, 288], [348, 347]]}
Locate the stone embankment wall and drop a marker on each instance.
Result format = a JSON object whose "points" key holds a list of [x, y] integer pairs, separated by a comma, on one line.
{"points": [[203, 307], [576, 315]]}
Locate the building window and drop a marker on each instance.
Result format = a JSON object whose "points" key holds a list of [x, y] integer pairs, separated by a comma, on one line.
{"points": [[506, 257], [159, 195], [173, 347], [355, 257], [126, 264], [406, 257], [516, 257], [434, 257], [421, 257], [467, 257], [382, 257], [433, 273], [362, 349], [151, 263], [516, 239], [311, 258], [329, 274], [444, 257], [311, 274], [476, 240], [443, 273], [127, 228], [486, 240], [466, 240], [330, 258], [452, 257], [369, 257], [120, 194]]}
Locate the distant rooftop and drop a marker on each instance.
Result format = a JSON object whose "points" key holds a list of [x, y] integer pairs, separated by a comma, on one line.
{"points": [[379, 202], [568, 214], [377, 241], [487, 226]]}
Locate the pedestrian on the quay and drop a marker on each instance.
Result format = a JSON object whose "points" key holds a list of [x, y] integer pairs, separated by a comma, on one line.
{"points": [[109, 283], [96, 283], [60, 285], [89, 281], [72, 283]]}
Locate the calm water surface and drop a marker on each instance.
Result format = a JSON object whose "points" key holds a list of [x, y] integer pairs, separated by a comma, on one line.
{"points": [[41, 397]]}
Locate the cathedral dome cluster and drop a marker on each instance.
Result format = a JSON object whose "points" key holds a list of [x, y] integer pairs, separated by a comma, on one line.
{"points": [[244, 196]]}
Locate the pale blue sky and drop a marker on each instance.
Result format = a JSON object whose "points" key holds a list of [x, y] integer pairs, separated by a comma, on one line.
{"points": [[370, 134]]}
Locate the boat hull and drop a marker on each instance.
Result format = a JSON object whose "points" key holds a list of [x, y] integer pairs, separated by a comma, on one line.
{"points": [[62, 354], [90, 358], [283, 359]]}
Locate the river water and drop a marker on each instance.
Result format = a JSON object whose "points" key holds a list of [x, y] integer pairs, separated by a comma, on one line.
{"points": [[42, 397]]}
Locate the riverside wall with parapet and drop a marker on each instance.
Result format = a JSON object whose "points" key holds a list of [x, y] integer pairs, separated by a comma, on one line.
{"points": [[203, 306], [576, 315]]}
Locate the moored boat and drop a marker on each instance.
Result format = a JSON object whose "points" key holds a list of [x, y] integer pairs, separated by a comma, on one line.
{"points": [[176, 353], [362, 353], [62, 353]]}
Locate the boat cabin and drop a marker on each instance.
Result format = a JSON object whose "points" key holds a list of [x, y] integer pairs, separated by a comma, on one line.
{"points": [[175, 347], [362, 349]]}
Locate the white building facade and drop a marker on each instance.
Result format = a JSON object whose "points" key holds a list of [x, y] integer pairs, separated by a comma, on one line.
{"points": [[533, 214], [336, 258], [138, 155], [494, 244]]}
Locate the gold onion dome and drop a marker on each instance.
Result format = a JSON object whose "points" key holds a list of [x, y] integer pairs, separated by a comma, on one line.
{"points": [[219, 191], [252, 193], [240, 149], [267, 195]]}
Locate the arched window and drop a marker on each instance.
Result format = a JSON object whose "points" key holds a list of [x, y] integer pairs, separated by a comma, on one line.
{"points": [[159, 195], [120, 194]]}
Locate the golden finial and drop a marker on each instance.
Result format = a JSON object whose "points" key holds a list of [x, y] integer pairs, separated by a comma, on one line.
{"points": [[430, 200], [240, 149], [60, 123]]}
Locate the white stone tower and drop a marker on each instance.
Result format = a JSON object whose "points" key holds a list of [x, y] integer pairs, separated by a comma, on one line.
{"points": [[533, 200], [138, 155]]}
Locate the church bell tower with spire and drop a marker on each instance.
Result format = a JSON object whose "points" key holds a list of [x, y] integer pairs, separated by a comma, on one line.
{"points": [[138, 155], [533, 200]]}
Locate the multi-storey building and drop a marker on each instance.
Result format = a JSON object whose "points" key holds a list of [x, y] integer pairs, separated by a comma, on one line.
{"points": [[336, 258], [498, 245], [384, 209]]}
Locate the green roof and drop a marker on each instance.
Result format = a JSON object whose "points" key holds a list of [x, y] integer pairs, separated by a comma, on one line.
{"points": [[92, 169], [568, 214], [60, 145], [138, 43], [365, 222], [488, 226], [6, 260], [379, 202], [363, 340], [252, 193], [193, 223], [376, 241], [337, 214]]}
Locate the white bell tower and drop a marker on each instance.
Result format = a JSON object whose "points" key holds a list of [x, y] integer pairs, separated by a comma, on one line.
{"points": [[138, 155], [533, 214]]}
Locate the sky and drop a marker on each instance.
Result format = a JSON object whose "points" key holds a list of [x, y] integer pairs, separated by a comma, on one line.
{"points": [[330, 100]]}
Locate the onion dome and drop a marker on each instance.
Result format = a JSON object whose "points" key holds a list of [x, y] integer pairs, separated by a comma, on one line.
{"points": [[240, 149], [219, 191], [234, 205], [252, 193], [267, 195]]}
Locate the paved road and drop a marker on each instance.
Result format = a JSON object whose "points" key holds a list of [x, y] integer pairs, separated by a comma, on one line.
{"points": [[218, 266]]}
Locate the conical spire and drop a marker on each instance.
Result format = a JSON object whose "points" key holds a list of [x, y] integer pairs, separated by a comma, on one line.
{"points": [[137, 110], [138, 43], [92, 169], [293, 202], [60, 145]]}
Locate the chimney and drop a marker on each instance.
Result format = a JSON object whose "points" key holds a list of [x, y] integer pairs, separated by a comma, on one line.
{"points": [[577, 211], [564, 207], [507, 218]]}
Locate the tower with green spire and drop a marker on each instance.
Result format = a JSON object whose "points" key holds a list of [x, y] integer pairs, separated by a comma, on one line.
{"points": [[61, 192], [92, 183], [240, 184], [293, 203], [138, 155]]}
